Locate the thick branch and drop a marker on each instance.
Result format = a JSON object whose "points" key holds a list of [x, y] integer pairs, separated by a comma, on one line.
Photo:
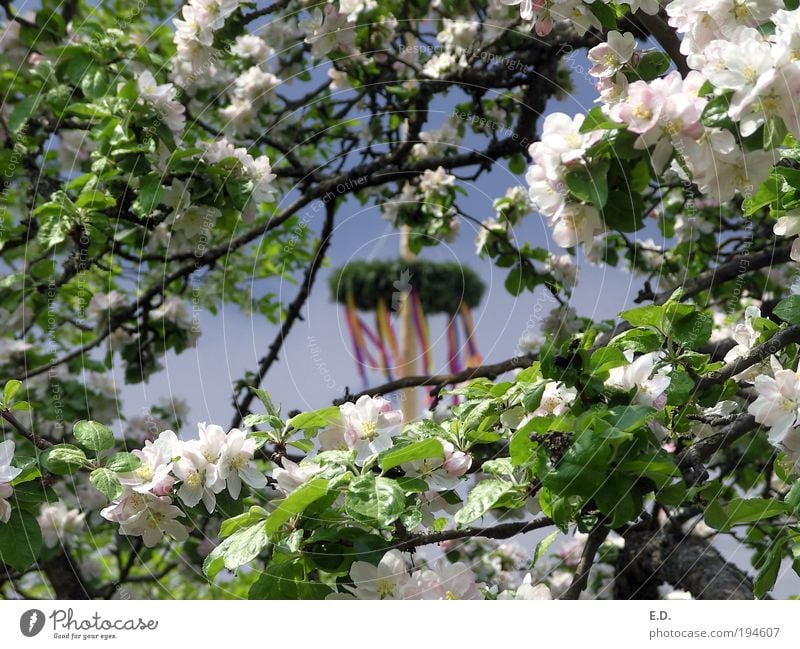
{"points": [[439, 380], [292, 315], [690, 462], [728, 271], [581, 578], [651, 557], [772, 346], [65, 577]]}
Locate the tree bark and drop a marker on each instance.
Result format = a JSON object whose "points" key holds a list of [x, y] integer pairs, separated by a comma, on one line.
{"points": [[652, 557], [65, 578]]}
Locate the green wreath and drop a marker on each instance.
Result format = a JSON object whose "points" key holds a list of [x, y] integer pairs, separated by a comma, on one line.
{"points": [[442, 286]]}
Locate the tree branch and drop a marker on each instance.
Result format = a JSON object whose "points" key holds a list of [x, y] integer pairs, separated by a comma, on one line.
{"points": [[242, 406], [690, 461], [439, 380], [502, 531], [773, 345], [651, 557], [39, 442], [593, 543]]}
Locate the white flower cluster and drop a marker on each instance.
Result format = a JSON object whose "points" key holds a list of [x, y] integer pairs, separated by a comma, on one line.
{"points": [[59, 524], [251, 90], [328, 31], [643, 375], [195, 63], [162, 98], [366, 426], [257, 171], [390, 579], [543, 14], [778, 408], [7, 474], [562, 146], [201, 468]]}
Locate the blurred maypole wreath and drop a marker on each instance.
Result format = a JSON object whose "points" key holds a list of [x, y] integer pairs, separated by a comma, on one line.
{"points": [[381, 287]]}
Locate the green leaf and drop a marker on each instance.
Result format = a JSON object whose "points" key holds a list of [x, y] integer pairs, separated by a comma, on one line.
{"points": [[29, 470], [295, 503], [123, 462], [605, 14], [422, 450], [22, 111], [106, 482], [93, 435], [645, 316], [375, 501], [624, 211], [774, 132], [236, 550], [596, 119], [542, 547], [315, 418], [616, 499], [638, 340], [63, 459], [768, 573], [605, 359], [746, 510], [766, 195], [588, 183], [515, 282], [481, 499], [652, 65], [10, 390], [248, 518], [286, 581], [20, 540], [788, 309], [148, 195], [692, 331], [715, 114]]}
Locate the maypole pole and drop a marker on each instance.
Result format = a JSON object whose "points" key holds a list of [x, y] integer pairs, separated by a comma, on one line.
{"points": [[409, 349]]}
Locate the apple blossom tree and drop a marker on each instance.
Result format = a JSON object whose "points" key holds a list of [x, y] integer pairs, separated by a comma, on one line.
{"points": [[158, 162]]}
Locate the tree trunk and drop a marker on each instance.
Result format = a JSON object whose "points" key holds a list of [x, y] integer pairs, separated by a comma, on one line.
{"points": [[65, 578], [652, 557]]}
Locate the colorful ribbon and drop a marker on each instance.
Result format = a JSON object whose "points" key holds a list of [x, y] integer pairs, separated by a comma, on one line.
{"points": [[473, 355], [421, 326]]}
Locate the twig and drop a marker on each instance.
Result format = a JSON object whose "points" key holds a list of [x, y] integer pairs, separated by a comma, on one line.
{"points": [[292, 315], [38, 441]]}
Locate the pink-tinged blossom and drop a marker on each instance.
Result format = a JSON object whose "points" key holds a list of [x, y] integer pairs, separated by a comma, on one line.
{"points": [[778, 404], [445, 580], [236, 463], [153, 474], [610, 57], [642, 376], [369, 425], [200, 479], [157, 517], [384, 581], [292, 475]]}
